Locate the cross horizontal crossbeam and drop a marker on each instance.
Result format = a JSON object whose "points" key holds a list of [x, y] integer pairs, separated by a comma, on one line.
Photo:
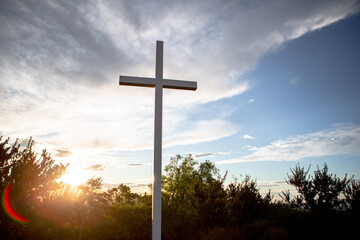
{"points": [[152, 82]]}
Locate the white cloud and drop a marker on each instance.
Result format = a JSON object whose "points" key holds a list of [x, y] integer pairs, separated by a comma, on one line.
{"points": [[96, 167], [202, 131], [224, 153], [247, 136], [334, 141], [209, 154], [204, 155], [61, 60]]}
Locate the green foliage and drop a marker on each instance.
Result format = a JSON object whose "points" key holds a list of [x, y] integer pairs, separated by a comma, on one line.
{"points": [[245, 201], [195, 194], [32, 178], [8, 155], [196, 204], [178, 181]]}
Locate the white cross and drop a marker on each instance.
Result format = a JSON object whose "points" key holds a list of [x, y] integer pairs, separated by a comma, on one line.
{"points": [[158, 83]]}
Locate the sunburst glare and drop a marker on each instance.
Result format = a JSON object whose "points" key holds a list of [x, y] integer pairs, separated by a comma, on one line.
{"points": [[74, 176]]}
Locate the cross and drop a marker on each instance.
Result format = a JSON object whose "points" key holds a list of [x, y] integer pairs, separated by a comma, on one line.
{"points": [[158, 83]]}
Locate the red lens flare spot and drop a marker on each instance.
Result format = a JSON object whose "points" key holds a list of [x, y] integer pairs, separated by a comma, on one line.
{"points": [[10, 211]]}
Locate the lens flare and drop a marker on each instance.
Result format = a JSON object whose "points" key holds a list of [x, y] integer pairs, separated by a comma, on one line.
{"points": [[8, 209]]}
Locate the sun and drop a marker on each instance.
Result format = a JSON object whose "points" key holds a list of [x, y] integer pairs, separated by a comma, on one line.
{"points": [[74, 176]]}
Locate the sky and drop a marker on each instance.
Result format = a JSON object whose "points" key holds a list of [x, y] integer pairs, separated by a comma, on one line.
{"points": [[278, 84]]}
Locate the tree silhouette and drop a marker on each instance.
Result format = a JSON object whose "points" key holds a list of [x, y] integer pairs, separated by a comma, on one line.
{"points": [[352, 194], [321, 192], [32, 178], [245, 201]]}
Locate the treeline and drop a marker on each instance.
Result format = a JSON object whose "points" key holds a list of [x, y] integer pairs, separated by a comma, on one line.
{"points": [[196, 204]]}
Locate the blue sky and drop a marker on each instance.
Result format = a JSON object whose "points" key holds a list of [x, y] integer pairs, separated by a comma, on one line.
{"points": [[278, 84]]}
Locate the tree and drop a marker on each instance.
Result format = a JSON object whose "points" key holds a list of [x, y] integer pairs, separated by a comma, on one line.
{"points": [[209, 198], [245, 201], [321, 192], [8, 155], [194, 197], [122, 195], [32, 178], [35, 175], [352, 194], [177, 181]]}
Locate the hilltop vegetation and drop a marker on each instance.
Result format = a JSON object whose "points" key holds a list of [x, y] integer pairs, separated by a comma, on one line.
{"points": [[196, 204]]}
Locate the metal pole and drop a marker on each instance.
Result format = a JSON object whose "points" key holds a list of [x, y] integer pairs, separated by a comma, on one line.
{"points": [[156, 197]]}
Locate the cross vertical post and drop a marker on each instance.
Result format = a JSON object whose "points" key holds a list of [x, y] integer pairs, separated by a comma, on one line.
{"points": [[158, 83], [156, 196]]}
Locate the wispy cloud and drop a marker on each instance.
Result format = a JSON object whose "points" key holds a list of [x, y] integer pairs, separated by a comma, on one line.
{"points": [[224, 153], [333, 141], [209, 154], [62, 152], [134, 164], [96, 167], [203, 155], [201, 131]]}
